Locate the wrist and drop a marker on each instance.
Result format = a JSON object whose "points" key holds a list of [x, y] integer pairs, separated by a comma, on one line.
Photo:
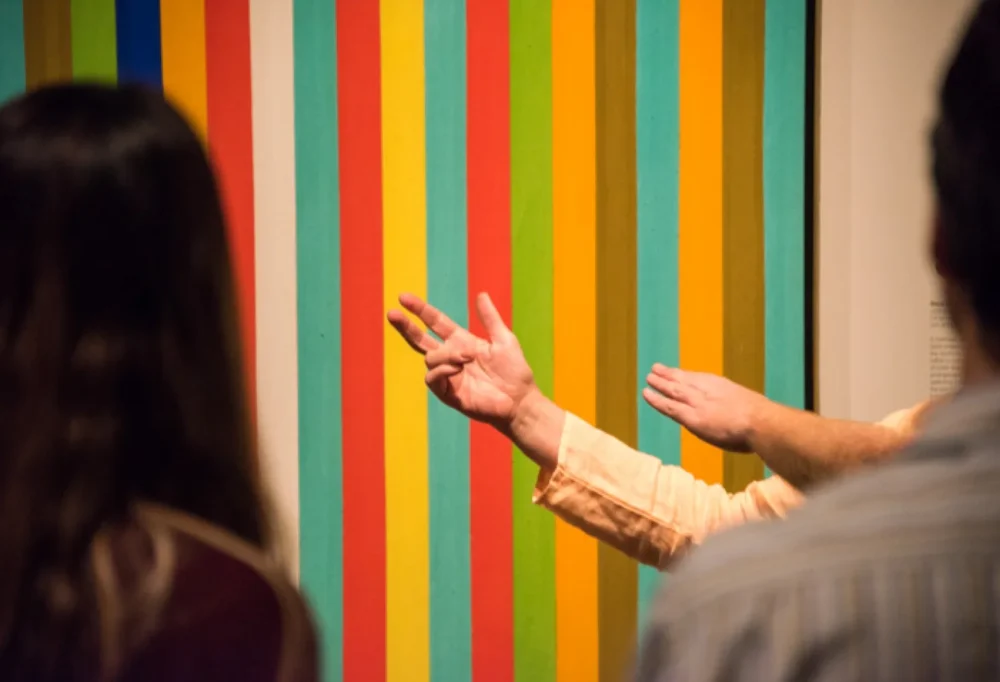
{"points": [[535, 427], [761, 423], [526, 414]]}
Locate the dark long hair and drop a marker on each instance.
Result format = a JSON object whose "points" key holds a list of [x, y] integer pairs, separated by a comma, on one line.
{"points": [[120, 371]]}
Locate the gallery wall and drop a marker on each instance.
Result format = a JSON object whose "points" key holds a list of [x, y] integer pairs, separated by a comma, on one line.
{"points": [[625, 177], [880, 62]]}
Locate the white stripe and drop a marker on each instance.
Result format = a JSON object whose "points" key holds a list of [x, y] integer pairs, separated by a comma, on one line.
{"points": [[272, 60]]}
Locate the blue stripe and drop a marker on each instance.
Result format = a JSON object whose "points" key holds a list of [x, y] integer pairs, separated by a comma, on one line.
{"points": [[784, 200], [11, 49], [657, 132], [319, 330], [450, 553], [137, 25]]}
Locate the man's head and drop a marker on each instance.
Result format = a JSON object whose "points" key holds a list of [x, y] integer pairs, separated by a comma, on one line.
{"points": [[966, 167]]}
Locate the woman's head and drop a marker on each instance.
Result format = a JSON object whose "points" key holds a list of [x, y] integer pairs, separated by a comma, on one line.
{"points": [[120, 371]]}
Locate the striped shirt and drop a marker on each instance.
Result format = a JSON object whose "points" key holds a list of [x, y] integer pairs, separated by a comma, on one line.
{"points": [[893, 574]]}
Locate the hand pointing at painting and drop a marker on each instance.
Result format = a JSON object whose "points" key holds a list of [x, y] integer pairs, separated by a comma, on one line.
{"points": [[486, 380]]}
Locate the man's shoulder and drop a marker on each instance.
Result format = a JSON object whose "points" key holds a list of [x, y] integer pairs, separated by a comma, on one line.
{"points": [[901, 510]]}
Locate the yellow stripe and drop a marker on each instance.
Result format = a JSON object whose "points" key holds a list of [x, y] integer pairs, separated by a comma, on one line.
{"points": [[575, 310], [405, 269], [182, 32], [700, 240]]}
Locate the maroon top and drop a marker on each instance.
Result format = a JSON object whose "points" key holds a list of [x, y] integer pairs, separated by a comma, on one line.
{"points": [[231, 615]]}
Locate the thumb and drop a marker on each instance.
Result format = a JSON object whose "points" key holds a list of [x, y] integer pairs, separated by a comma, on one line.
{"points": [[490, 317]]}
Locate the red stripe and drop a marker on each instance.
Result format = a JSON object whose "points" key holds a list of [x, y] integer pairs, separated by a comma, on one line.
{"points": [[230, 134], [359, 109], [489, 269]]}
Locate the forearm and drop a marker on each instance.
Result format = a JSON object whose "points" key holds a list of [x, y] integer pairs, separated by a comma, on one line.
{"points": [[807, 449], [651, 511]]}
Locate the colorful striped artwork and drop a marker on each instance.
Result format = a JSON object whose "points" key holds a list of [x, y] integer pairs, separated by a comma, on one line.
{"points": [[626, 178]]}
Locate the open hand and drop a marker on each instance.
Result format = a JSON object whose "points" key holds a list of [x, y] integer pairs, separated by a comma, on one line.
{"points": [[713, 408], [485, 380]]}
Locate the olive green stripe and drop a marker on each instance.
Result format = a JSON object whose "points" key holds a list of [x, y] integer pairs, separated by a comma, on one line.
{"points": [[94, 50], [531, 293], [743, 212], [616, 302]]}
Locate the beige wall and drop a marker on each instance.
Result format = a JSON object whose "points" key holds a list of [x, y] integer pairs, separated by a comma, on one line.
{"points": [[879, 64]]}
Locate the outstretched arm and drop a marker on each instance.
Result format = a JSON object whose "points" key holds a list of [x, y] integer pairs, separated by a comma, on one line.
{"points": [[807, 449], [594, 481], [630, 500], [801, 446]]}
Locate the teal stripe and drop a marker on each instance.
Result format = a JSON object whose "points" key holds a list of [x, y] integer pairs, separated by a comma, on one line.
{"points": [[531, 289], [11, 49], [784, 200], [318, 282], [657, 131], [448, 431]]}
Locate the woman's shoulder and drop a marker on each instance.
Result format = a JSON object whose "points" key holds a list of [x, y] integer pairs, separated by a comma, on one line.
{"points": [[231, 611]]}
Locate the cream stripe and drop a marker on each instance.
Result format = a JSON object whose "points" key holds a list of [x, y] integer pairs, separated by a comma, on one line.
{"points": [[272, 84]]}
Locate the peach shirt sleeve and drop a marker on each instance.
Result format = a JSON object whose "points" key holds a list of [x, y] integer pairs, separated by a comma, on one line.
{"points": [[651, 511]]}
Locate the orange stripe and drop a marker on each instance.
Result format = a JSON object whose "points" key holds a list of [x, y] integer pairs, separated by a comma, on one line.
{"points": [[575, 311], [182, 36], [700, 239]]}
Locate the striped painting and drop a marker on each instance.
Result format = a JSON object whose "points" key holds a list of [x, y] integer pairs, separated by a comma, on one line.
{"points": [[626, 178]]}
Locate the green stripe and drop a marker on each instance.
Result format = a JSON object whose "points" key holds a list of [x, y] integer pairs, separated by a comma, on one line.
{"points": [[448, 431], [784, 200], [616, 302], [318, 282], [11, 49], [657, 133], [94, 49], [531, 283], [743, 213]]}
